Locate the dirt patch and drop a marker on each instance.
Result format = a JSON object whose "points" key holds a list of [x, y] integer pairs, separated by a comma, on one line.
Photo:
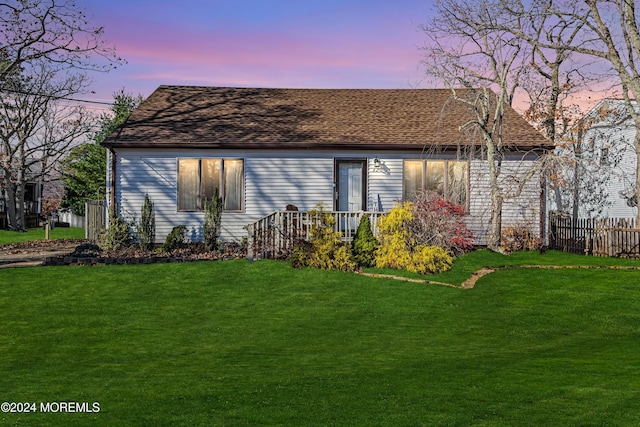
{"points": [[29, 254], [475, 276], [63, 252]]}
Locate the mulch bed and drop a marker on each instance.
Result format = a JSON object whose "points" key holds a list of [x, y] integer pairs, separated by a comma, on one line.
{"points": [[86, 253], [39, 244]]}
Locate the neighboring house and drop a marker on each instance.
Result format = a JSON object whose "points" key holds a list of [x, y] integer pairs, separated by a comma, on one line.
{"points": [[602, 165], [32, 201], [352, 149]]}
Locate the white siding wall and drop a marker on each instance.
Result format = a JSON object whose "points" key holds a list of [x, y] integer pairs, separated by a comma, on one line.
{"points": [[302, 178], [619, 140], [623, 176], [523, 210]]}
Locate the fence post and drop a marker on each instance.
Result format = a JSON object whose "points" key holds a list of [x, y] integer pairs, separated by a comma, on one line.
{"points": [[95, 211]]}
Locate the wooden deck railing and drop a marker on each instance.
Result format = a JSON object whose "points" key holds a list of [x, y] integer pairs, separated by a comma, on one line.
{"points": [[275, 235], [615, 237]]}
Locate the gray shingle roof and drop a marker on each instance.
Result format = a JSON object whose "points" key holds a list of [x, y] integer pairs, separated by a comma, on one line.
{"points": [[217, 117]]}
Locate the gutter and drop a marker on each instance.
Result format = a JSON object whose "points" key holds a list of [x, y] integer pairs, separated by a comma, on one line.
{"points": [[112, 198]]}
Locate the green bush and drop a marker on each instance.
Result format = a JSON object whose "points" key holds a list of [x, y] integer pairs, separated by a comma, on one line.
{"points": [[364, 244], [212, 221], [325, 249], [176, 239], [146, 229], [117, 235]]}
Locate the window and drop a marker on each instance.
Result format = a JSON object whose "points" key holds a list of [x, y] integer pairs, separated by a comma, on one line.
{"points": [[198, 179], [604, 156], [448, 178]]}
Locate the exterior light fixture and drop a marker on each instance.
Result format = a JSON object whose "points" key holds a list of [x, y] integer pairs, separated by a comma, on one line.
{"points": [[377, 163]]}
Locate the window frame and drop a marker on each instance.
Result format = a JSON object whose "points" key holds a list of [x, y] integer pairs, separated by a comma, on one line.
{"points": [[446, 189], [221, 180]]}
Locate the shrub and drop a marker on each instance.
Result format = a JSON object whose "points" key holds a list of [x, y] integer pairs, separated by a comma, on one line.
{"points": [[429, 260], [519, 238], [364, 244], [212, 221], [325, 249], [438, 222], [176, 239], [117, 235], [146, 229], [399, 248]]}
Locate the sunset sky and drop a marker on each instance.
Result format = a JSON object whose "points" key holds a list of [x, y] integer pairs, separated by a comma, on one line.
{"points": [[261, 43]]}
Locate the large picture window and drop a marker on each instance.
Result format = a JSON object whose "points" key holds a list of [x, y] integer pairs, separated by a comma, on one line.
{"points": [[198, 179], [448, 178]]}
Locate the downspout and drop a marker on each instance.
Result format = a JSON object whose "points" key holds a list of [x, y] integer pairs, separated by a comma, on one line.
{"points": [[543, 204], [112, 195]]}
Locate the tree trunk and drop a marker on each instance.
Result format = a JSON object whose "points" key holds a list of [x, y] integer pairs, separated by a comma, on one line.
{"points": [[636, 143], [10, 192], [20, 208], [15, 205], [497, 198], [495, 227]]}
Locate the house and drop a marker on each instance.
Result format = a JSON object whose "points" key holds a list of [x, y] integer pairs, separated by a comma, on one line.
{"points": [[601, 172], [32, 203], [352, 149]]}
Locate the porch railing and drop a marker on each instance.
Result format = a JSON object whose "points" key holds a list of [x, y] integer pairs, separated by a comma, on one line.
{"points": [[275, 235]]}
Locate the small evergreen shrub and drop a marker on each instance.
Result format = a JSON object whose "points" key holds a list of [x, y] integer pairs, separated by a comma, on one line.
{"points": [[176, 239], [212, 221], [325, 249], [146, 229], [364, 244], [117, 235]]}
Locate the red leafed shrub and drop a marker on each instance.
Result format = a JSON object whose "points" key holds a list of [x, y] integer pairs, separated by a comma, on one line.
{"points": [[49, 205], [438, 222]]}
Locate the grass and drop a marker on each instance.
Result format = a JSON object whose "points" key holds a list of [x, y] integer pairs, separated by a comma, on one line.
{"points": [[467, 264], [7, 236], [237, 343]]}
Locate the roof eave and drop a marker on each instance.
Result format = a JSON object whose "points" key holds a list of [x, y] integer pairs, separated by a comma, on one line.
{"points": [[294, 145]]}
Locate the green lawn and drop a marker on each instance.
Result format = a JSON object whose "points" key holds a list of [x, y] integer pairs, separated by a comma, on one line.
{"points": [[244, 344], [7, 236]]}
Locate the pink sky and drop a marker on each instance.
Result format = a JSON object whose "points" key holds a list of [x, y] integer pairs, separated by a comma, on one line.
{"points": [[265, 43], [261, 43]]}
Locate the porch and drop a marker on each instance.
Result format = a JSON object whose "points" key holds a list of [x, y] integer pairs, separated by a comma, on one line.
{"points": [[31, 214], [275, 235]]}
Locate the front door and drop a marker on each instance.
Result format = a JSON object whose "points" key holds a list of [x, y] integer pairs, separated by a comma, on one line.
{"points": [[350, 185]]}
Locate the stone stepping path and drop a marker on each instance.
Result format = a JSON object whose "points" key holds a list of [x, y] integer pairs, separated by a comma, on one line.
{"points": [[478, 274]]}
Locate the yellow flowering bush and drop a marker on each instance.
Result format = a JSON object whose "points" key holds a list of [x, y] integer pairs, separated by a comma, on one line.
{"points": [[325, 249], [399, 249]]}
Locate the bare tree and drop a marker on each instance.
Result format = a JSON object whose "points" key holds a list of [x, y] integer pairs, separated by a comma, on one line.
{"points": [[468, 50], [36, 130], [595, 148], [555, 75], [616, 39], [603, 30], [56, 31], [46, 48]]}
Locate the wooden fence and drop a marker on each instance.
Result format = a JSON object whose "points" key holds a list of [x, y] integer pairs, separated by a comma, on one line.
{"points": [[275, 235], [95, 217], [615, 237]]}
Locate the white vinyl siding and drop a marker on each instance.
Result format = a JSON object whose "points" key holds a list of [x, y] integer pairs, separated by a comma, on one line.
{"points": [[523, 210], [275, 179]]}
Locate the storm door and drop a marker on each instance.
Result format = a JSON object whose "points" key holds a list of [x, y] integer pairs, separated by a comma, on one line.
{"points": [[351, 191]]}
